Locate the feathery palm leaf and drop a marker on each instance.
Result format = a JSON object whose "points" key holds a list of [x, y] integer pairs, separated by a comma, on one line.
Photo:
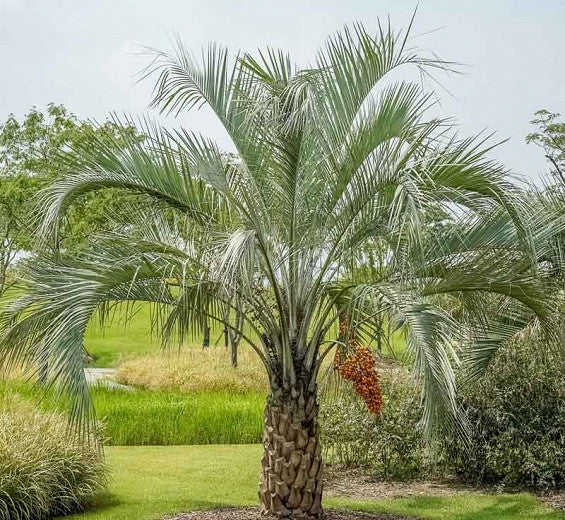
{"points": [[327, 160]]}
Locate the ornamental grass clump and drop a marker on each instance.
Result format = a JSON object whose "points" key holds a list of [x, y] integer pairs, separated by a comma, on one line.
{"points": [[194, 369], [43, 471]]}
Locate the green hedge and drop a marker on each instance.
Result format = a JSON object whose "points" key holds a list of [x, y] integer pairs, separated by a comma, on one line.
{"points": [[517, 413], [43, 472]]}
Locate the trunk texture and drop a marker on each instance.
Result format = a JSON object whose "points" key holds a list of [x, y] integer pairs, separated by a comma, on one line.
{"points": [[291, 474]]}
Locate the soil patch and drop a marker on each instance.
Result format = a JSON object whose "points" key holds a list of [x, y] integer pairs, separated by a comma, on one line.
{"points": [[354, 484], [253, 513]]}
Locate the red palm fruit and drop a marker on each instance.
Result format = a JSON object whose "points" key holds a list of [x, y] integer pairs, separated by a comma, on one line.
{"points": [[359, 368]]}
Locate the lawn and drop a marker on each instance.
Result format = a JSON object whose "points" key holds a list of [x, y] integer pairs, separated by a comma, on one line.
{"points": [[121, 338], [151, 481]]}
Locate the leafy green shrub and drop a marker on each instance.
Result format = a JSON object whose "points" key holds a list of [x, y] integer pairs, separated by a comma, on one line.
{"points": [[388, 446], [517, 417], [43, 472], [517, 414]]}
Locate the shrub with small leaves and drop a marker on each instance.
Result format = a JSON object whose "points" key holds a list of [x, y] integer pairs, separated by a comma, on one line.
{"points": [[44, 472], [388, 445], [517, 415]]}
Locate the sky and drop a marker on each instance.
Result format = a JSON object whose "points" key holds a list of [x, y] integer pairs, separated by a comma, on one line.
{"points": [[87, 54]]}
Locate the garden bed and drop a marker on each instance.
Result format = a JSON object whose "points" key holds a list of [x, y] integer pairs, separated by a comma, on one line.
{"points": [[354, 484], [252, 513]]}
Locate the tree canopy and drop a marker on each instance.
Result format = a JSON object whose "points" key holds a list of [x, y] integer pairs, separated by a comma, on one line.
{"points": [[330, 160], [550, 136], [32, 151]]}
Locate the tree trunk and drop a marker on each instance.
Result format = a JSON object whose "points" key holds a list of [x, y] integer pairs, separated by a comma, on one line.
{"points": [[291, 474], [235, 337], [234, 345], [206, 338]]}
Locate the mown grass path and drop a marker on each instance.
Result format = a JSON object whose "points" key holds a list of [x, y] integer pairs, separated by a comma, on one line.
{"points": [[149, 482]]}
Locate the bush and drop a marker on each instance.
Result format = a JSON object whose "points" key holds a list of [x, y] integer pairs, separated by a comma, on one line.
{"points": [[389, 446], [517, 413], [195, 369], [43, 473], [517, 417]]}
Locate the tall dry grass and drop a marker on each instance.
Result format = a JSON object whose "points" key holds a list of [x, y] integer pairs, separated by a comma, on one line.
{"points": [[194, 369]]}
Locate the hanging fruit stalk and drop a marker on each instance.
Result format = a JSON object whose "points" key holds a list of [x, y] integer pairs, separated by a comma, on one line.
{"points": [[359, 368]]}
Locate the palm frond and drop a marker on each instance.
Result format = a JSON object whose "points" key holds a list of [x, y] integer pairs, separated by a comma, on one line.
{"points": [[334, 164]]}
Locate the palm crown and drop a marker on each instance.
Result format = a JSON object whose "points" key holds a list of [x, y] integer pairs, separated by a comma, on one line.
{"points": [[327, 160]]}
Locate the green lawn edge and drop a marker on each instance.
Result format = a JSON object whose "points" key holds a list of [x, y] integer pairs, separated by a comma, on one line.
{"points": [[150, 482]]}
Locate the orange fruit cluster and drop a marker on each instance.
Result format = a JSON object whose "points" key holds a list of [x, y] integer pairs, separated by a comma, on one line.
{"points": [[359, 368]]}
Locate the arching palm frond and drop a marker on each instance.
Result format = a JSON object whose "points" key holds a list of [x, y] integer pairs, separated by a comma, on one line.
{"points": [[330, 160]]}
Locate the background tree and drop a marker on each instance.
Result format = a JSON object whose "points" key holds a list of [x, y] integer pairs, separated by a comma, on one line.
{"points": [[550, 136], [548, 201], [31, 152], [328, 158], [16, 231]]}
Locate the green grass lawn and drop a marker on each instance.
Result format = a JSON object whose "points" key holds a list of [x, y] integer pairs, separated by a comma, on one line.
{"points": [[161, 418], [152, 481], [119, 339], [133, 338]]}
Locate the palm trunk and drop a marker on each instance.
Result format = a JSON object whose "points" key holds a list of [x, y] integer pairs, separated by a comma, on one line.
{"points": [[291, 474]]}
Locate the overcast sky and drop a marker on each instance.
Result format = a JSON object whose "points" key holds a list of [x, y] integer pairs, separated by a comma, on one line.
{"points": [[84, 53]]}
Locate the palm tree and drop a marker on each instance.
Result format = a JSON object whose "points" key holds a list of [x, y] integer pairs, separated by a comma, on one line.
{"points": [[327, 159]]}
